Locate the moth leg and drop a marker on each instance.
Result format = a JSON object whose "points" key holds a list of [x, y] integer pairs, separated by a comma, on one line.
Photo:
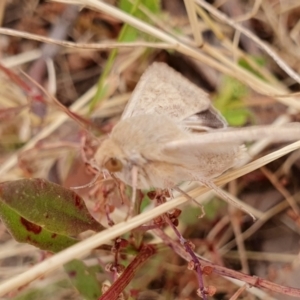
{"points": [[226, 197], [134, 178], [190, 198]]}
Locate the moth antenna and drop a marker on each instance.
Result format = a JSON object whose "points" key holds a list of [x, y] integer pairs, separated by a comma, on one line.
{"points": [[176, 188], [226, 197]]}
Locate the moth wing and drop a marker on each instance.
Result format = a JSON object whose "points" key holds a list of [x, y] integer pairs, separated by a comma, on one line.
{"points": [[234, 136], [163, 91], [208, 155]]}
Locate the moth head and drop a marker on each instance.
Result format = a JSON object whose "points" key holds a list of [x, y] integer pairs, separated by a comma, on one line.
{"points": [[109, 156], [113, 164]]}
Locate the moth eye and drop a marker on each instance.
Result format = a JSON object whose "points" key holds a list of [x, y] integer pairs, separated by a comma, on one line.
{"points": [[113, 165]]}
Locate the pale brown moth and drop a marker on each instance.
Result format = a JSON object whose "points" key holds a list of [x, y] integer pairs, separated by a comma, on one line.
{"points": [[170, 133]]}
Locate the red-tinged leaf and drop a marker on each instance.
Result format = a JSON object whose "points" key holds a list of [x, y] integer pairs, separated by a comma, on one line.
{"points": [[84, 279], [26, 232], [48, 205]]}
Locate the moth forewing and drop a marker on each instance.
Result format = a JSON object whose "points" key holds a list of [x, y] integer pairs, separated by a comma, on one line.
{"points": [[163, 91], [288, 132]]}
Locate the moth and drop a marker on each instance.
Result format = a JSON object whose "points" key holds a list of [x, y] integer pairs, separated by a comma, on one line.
{"points": [[170, 133]]}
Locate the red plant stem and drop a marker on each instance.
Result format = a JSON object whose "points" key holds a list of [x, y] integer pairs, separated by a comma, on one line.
{"points": [[251, 280], [16, 79], [120, 284], [196, 261]]}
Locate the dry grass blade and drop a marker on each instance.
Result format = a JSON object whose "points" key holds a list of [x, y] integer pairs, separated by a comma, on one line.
{"points": [[91, 46], [226, 67], [248, 33]]}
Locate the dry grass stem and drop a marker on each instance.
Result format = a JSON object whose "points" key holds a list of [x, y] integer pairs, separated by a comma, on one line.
{"points": [[83, 46]]}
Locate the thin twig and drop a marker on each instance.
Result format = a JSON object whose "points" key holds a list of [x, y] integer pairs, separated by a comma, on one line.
{"points": [[83, 46]]}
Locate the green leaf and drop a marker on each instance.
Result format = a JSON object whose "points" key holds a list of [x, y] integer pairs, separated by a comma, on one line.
{"points": [[132, 33], [51, 291], [151, 5], [260, 61], [190, 214], [230, 101], [26, 232], [127, 34], [48, 205], [213, 208], [84, 279], [237, 117], [34, 294]]}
